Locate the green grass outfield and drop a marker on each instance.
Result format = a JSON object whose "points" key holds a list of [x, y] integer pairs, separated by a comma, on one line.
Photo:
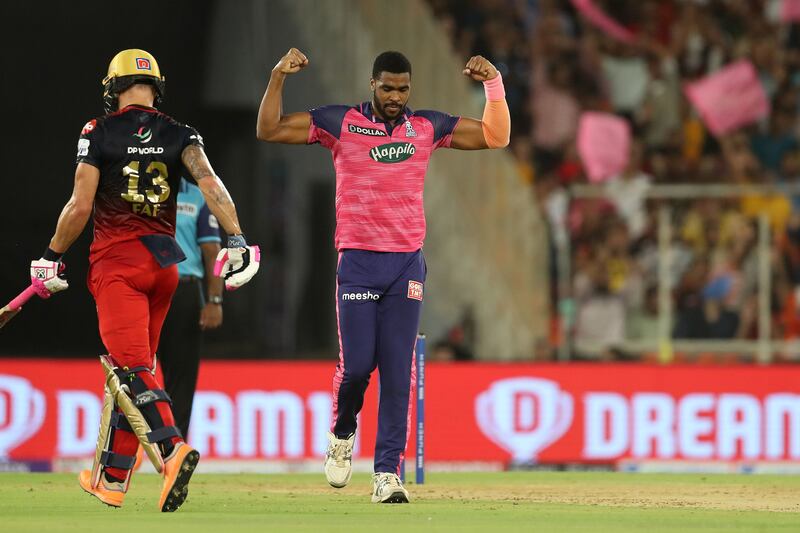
{"points": [[486, 502]]}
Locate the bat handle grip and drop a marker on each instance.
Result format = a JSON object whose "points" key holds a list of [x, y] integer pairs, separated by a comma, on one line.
{"points": [[22, 298]]}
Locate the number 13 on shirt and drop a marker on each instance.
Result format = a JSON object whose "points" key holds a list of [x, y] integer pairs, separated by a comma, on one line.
{"points": [[148, 201]]}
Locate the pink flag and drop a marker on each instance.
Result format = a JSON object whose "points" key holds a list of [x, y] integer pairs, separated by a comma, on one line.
{"points": [[790, 10], [604, 142], [729, 98], [598, 17]]}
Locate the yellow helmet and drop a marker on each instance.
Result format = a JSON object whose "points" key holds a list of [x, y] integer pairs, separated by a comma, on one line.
{"points": [[129, 67]]}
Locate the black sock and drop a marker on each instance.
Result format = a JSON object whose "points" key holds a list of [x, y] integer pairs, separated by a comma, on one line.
{"points": [[166, 447], [112, 479]]}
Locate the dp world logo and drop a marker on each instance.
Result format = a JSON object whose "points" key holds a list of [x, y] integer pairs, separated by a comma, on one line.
{"points": [[392, 152], [22, 410], [144, 135], [524, 415]]}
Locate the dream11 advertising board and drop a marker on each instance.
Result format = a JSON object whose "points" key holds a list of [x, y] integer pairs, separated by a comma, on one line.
{"points": [[492, 413]]}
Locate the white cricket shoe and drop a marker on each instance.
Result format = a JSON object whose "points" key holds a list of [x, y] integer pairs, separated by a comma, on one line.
{"points": [[339, 460], [387, 488]]}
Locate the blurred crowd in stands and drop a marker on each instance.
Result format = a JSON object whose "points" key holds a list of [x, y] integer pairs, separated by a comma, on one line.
{"points": [[556, 65]]}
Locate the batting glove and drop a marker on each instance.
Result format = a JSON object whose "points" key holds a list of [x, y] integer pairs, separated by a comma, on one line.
{"points": [[237, 263], [47, 277]]}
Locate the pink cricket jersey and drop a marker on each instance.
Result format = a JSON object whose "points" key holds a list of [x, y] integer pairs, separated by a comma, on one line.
{"points": [[380, 173]]}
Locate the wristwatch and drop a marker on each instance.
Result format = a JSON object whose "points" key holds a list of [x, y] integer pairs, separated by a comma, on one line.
{"points": [[215, 300]]}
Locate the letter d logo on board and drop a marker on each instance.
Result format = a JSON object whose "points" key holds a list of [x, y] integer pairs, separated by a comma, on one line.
{"points": [[22, 410], [524, 415]]}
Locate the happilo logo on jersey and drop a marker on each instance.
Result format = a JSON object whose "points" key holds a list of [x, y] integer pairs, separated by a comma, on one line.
{"points": [[22, 410], [392, 152], [524, 415]]}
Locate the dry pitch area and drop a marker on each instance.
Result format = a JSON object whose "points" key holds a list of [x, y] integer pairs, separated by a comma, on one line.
{"points": [[520, 501]]}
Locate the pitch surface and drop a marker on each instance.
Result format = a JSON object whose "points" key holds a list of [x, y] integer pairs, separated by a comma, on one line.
{"points": [[520, 501]]}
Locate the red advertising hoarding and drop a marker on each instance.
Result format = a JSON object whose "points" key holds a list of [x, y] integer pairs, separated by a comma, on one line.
{"points": [[576, 413]]}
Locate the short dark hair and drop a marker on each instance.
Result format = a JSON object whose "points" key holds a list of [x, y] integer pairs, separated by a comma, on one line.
{"points": [[393, 62]]}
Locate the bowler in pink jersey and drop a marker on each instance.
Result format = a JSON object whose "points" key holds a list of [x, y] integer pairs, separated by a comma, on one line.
{"points": [[381, 149]]}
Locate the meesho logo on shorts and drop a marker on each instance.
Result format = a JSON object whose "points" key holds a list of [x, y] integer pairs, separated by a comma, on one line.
{"points": [[361, 296], [392, 152]]}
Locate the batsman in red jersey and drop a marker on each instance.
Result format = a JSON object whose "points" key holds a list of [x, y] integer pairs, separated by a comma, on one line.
{"points": [[129, 166]]}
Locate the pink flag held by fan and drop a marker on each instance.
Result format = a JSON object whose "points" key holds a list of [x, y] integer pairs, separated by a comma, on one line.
{"points": [[601, 20], [730, 98], [604, 142], [790, 10]]}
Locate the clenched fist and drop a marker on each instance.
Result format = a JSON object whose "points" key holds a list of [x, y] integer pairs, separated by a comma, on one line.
{"points": [[292, 62], [480, 69]]}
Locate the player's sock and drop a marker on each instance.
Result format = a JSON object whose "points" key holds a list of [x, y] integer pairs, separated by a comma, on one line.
{"points": [[113, 479], [122, 444], [167, 448]]}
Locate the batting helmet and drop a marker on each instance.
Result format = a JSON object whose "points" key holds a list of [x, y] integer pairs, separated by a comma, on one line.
{"points": [[127, 68]]}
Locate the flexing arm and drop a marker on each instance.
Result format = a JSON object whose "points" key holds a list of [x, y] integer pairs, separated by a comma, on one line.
{"points": [[494, 129], [214, 191], [272, 125], [76, 212]]}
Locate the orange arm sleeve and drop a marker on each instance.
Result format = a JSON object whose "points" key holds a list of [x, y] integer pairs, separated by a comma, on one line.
{"points": [[496, 121]]}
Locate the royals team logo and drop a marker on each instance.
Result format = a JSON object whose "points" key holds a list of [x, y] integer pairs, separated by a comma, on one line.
{"points": [[415, 290], [410, 129], [22, 409], [392, 152], [524, 415], [142, 63], [143, 135]]}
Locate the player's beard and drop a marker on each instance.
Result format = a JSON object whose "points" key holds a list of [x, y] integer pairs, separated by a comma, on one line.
{"points": [[385, 113]]}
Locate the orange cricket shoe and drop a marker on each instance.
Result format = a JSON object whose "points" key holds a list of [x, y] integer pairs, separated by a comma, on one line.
{"points": [[178, 469], [109, 493]]}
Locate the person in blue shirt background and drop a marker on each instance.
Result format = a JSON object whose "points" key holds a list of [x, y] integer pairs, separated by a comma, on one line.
{"points": [[197, 304]]}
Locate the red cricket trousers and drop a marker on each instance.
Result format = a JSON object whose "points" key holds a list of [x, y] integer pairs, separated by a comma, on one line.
{"points": [[133, 294]]}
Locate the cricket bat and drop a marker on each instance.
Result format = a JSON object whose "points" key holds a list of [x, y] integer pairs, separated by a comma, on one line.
{"points": [[10, 311]]}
